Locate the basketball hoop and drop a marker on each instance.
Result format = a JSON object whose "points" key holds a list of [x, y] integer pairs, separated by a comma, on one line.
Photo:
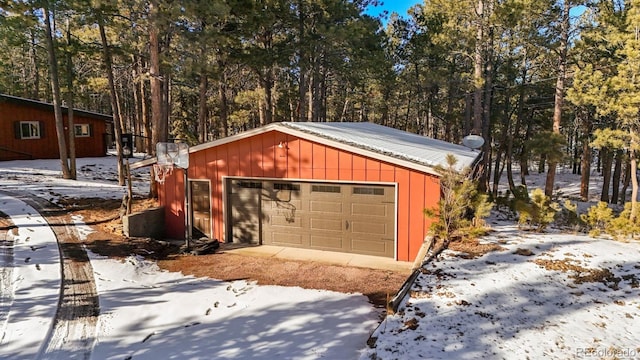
{"points": [[161, 171], [173, 153]]}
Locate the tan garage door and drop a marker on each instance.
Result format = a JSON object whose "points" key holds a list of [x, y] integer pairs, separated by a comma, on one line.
{"points": [[353, 218]]}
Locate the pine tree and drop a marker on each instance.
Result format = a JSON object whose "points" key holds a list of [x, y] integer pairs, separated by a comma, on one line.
{"points": [[461, 207], [626, 102]]}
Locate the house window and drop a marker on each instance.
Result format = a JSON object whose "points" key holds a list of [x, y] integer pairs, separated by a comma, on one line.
{"points": [[286, 186], [368, 191], [249, 184], [82, 130], [325, 189], [29, 130]]}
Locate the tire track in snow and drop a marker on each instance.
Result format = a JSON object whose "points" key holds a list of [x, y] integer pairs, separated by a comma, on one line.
{"points": [[6, 270], [75, 325], [34, 281]]}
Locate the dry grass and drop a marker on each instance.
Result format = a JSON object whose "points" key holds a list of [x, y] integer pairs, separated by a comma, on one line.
{"points": [[580, 274]]}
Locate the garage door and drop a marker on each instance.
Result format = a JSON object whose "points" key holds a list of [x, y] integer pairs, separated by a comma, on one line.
{"points": [[352, 218]]}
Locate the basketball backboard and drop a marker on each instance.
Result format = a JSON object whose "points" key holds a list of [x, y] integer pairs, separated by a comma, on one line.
{"points": [[176, 154]]}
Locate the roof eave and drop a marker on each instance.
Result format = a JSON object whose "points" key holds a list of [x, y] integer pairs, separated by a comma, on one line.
{"points": [[310, 136], [65, 109], [211, 144]]}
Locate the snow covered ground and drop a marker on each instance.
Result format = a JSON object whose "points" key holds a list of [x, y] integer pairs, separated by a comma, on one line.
{"points": [[147, 313], [541, 296], [30, 281], [97, 177], [553, 295]]}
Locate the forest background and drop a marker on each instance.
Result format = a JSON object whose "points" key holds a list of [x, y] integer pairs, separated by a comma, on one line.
{"points": [[544, 82]]}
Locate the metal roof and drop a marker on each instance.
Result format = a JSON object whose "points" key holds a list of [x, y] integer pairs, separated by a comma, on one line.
{"points": [[389, 141], [367, 139]]}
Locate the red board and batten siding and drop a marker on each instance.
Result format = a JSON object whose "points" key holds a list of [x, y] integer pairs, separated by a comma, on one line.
{"points": [[47, 146], [301, 159]]}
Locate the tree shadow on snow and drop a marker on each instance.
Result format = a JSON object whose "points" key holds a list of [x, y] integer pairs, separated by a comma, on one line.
{"points": [[475, 324]]}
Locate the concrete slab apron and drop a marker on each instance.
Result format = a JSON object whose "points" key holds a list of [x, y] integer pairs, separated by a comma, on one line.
{"points": [[329, 257]]}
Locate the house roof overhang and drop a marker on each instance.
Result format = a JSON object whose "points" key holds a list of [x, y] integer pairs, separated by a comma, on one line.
{"points": [[49, 107], [375, 151]]}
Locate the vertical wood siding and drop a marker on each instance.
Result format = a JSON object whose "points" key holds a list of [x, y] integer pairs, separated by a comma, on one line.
{"points": [[261, 156], [47, 146]]}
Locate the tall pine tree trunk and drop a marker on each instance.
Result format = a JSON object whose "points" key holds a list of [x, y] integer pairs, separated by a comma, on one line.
{"points": [[617, 172], [267, 84], [585, 162], [448, 117], [524, 153], [625, 183], [166, 100], [70, 124], [634, 176], [310, 98], [313, 81], [137, 106], [55, 89], [202, 107], [159, 128], [478, 62], [486, 115], [117, 123], [516, 130], [35, 91], [224, 103], [497, 173], [559, 94], [302, 63], [606, 156]]}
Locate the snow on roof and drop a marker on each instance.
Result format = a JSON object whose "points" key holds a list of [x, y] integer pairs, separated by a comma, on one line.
{"points": [[414, 150], [390, 142]]}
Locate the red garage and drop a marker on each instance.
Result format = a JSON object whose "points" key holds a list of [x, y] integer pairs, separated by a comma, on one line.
{"points": [[347, 187], [28, 130]]}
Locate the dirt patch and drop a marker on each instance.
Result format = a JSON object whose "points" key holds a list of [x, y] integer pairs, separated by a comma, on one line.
{"points": [[378, 285], [472, 248], [5, 222], [580, 274], [523, 252], [108, 240]]}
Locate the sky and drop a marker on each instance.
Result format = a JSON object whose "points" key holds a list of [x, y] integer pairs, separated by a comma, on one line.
{"points": [[402, 6], [399, 6]]}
